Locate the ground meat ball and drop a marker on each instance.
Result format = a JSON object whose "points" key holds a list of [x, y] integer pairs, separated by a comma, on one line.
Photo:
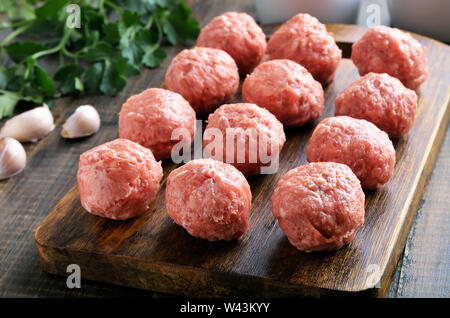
{"points": [[150, 117], [287, 90], [206, 77], [252, 126], [210, 199], [359, 144], [388, 50], [306, 41], [238, 35], [319, 206], [118, 180], [382, 100]]}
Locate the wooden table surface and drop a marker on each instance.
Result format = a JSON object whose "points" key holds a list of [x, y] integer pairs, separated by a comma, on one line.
{"points": [[25, 200]]}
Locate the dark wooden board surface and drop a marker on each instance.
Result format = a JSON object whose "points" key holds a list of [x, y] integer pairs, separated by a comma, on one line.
{"points": [[151, 252], [423, 271], [26, 199]]}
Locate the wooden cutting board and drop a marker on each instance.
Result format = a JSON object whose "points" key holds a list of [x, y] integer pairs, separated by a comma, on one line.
{"points": [[151, 252]]}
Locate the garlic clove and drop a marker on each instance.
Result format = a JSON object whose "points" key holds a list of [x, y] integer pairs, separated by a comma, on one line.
{"points": [[12, 157], [85, 121], [30, 125]]}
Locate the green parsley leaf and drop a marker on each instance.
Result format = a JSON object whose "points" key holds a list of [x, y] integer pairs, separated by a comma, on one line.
{"points": [[44, 81], [171, 33], [111, 31], [18, 51], [131, 18], [7, 102], [50, 8], [113, 80], [116, 38], [153, 58], [100, 51], [67, 76], [93, 78]]}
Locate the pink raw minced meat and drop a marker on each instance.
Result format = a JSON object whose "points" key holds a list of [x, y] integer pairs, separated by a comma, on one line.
{"points": [[389, 50], [149, 118], [303, 39], [359, 144], [382, 100], [210, 199], [237, 34], [287, 90], [118, 180], [252, 125], [205, 77], [319, 206]]}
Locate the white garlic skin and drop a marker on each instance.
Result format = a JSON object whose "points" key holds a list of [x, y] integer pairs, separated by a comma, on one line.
{"points": [[30, 125], [12, 157], [85, 121]]}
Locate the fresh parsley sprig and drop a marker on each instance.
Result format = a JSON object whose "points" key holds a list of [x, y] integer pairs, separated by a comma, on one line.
{"points": [[115, 39]]}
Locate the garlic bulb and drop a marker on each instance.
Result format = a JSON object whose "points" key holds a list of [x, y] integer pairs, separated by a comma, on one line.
{"points": [[12, 157], [83, 122], [30, 125]]}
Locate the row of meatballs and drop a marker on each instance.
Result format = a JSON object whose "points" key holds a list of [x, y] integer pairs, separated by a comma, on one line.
{"points": [[320, 205]]}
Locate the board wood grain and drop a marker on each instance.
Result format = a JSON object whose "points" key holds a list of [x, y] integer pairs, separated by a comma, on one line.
{"points": [[426, 259], [151, 252]]}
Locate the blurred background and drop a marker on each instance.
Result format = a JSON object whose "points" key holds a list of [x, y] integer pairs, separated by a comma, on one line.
{"points": [[430, 18]]}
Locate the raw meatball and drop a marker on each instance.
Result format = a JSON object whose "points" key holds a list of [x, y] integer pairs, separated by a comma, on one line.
{"points": [[382, 100], [287, 90], [210, 199], [388, 50], [150, 117], [206, 77], [306, 41], [238, 35], [118, 180], [359, 144], [319, 206], [256, 131]]}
